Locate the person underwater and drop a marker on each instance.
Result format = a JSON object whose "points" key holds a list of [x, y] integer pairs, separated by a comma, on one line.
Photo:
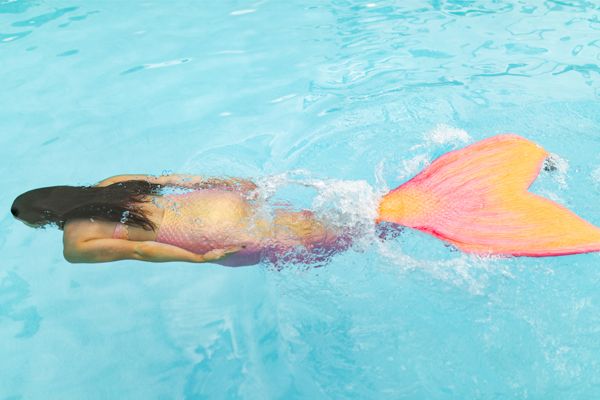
{"points": [[475, 198]]}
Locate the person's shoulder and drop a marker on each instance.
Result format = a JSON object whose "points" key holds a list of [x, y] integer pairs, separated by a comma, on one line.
{"points": [[123, 178], [87, 228], [73, 225], [72, 231]]}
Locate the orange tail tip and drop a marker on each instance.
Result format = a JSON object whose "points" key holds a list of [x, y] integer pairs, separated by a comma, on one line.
{"points": [[476, 198]]}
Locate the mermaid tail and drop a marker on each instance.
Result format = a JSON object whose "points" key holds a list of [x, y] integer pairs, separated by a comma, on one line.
{"points": [[476, 198]]}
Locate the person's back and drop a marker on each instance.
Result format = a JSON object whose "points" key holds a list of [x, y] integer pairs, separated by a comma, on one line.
{"points": [[204, 220]]}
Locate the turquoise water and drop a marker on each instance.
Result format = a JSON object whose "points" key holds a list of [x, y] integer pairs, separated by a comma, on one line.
{"points": [[350, 97]]}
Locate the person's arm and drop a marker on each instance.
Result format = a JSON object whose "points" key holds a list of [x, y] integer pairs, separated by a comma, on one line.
{"points": [[104, 250], [184, 181]]}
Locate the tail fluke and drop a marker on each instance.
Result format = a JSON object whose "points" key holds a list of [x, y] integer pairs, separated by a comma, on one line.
{"points": [[476, 198]]}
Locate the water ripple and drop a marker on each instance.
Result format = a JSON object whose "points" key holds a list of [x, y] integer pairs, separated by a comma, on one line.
{"points": [[44, 18], [14, 291], [16, 7], [9, 37], [163, 64], [380, 48]]}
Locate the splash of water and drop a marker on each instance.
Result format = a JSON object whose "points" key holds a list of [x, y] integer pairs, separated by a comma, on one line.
{"points": [[560, 167], [351, 207], [445, 134], [457, 268], [440, 136], [344, 205], [596, 175]]}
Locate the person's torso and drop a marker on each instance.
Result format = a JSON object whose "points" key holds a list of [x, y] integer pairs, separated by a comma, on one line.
{"points": [[203, 220]]}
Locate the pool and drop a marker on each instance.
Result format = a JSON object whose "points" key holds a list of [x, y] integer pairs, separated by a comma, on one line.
{"points": [[351, 96]]}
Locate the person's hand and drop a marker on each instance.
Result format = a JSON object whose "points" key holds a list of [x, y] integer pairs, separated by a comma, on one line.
{"points": [[218, 254]]}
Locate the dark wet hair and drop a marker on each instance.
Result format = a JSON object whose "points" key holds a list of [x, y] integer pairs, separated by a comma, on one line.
{"points": [[55, 205]]}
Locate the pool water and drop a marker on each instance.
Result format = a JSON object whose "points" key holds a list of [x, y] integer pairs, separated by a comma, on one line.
{"points": [[343, 99]]}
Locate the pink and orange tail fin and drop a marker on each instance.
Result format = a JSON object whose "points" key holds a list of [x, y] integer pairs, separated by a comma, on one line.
{"points": [[477, 199]]}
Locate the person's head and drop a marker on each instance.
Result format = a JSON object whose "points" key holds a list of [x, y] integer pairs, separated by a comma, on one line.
{"points": [[55, 205], [38, 207]]}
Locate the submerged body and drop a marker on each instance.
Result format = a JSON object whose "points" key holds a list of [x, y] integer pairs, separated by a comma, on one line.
{"points": [[205, 220], [225, 224], [201, 221]]}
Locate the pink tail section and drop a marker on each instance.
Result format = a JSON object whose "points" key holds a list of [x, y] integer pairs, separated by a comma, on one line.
{"points": [[477, 199]]}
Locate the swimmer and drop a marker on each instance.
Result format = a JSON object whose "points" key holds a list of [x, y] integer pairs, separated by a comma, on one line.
{"points": [[475, 198], [208, 220]]}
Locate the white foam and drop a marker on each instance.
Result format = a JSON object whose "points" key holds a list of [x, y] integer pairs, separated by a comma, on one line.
{"points": [[283, 98], [268, 185], [444, 134], [242, 12], [230, 52], [562, 169], [350, 206], [462, 270], [596, 175], [169, 63], [413, 165], [465, 271], [441, 134], [382, 185]]}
